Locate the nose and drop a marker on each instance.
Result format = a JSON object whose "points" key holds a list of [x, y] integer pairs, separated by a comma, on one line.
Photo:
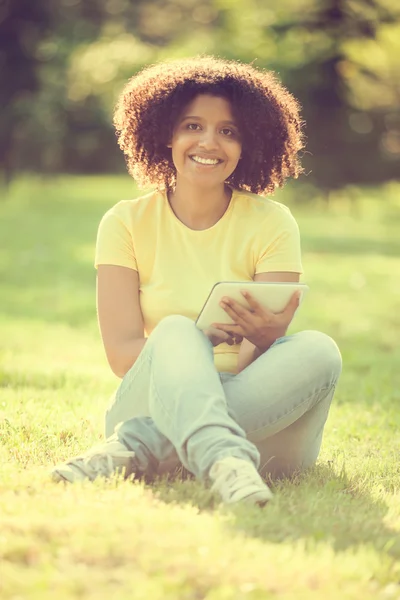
{"points": [[208, 139]]}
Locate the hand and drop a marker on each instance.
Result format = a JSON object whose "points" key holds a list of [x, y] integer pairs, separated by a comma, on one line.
{"points": [[257, 324], [216, 337]]}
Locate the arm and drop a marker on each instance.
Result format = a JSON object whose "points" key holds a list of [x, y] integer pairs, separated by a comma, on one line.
{"points": [[249, 352], [120, 316]]}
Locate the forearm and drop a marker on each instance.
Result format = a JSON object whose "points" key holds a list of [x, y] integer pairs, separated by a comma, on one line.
{"points": [[122, 357], [247, 355], [248, 352]]}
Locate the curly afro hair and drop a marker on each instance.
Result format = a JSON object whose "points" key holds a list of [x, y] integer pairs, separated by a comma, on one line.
{"points": [[266, 113]]}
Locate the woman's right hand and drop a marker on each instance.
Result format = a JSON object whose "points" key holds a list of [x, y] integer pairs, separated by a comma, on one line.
{"points": [[216, 337]]}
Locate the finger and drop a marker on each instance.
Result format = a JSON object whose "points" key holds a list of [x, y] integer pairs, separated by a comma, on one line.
{"points": [[222, 335], [293, 304], [231, 329], [213, 331], [234, 340], [229, 337], [235, 310], [252, 302]]}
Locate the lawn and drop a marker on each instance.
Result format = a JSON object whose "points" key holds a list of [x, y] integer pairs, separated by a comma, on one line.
{"points": [[332, 533]]}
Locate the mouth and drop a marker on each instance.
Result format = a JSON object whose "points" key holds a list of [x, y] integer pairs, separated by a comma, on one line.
{"points": [[209, 162]]}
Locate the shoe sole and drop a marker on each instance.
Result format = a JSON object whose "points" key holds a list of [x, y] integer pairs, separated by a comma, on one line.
{"points": [[57, 477], [257, 498]]}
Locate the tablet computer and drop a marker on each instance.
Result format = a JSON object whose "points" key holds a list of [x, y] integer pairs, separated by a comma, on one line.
{"points": [[274, 296]]}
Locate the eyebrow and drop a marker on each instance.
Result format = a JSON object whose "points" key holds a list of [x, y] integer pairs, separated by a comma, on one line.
{"points": [[200, 119]]}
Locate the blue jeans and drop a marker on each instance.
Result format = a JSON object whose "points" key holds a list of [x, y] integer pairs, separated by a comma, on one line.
{"points": [[173, 405]]}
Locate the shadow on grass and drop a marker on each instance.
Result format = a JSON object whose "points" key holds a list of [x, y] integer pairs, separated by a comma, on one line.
{"points": [[322, 506], [319, 506]]}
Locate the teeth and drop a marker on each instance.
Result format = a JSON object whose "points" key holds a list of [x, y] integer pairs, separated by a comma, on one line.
{"points": [[205, 161]]}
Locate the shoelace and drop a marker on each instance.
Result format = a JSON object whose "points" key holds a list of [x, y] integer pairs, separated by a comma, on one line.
{"points": [[95, 465], [237, 479]]}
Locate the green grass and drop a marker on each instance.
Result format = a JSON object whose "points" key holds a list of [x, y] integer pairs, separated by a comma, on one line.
{"points": [[333, 533]]}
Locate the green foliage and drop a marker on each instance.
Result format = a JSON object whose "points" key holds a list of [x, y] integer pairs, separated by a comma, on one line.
{"points": [[67, 64]]}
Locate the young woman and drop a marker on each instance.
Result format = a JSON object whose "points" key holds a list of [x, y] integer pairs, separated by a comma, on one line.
{"points": [[241, 400]]}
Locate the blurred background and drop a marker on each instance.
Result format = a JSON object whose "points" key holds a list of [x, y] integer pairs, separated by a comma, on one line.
{"points": [[64, 62]]}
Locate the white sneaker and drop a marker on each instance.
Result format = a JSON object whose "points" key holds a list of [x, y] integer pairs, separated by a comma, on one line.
{"points": [[238, 480], [101, 461]]}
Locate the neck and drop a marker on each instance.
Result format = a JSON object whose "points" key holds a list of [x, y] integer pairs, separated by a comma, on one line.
{"points": [[199, 208]]}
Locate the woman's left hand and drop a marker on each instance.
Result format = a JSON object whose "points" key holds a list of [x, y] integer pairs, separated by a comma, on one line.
{"points": [[257, 324]]}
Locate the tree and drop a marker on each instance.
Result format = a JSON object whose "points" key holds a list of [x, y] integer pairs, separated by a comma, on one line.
{"points": [[65, 63], [22, 26], [340, 58], [35, 41]]}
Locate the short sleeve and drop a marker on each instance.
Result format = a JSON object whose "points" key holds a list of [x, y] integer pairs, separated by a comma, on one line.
{"points": [[114, 244], [279, 245]]}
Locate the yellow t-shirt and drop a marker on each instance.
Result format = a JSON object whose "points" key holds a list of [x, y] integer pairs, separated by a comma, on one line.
{"points": [[178, 266]]}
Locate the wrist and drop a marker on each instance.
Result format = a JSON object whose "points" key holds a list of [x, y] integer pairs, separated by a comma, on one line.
{"points": [[261, 348], [265, 341], [265, 344]]}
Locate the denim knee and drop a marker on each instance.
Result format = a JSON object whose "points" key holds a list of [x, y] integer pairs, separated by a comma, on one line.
{"points": [[173, 329], [174, 322], [324, 353]]}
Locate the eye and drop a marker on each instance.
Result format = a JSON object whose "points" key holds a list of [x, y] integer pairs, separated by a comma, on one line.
{"points": [[193, 126], [227, 131]]}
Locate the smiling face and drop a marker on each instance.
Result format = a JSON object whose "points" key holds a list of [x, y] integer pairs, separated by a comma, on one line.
{"points": [[206, 142]]}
